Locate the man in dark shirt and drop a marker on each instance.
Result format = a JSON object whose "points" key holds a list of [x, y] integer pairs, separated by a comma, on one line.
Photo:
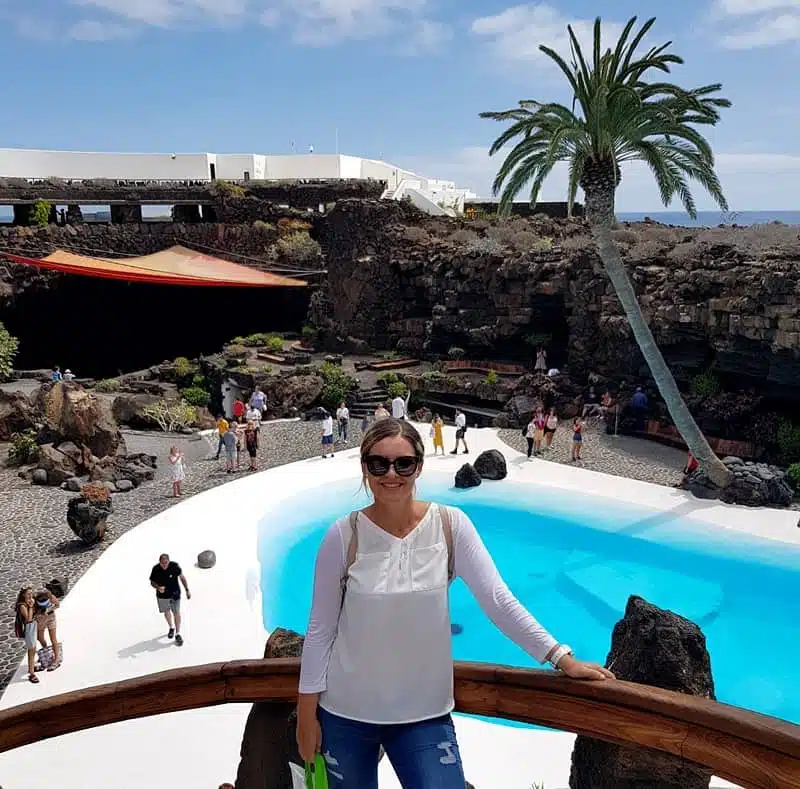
{"points": [[639, 408], [164, 579]]}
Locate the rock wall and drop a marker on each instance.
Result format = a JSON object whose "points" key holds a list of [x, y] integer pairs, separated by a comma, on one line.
{"points": [[724, 297]]}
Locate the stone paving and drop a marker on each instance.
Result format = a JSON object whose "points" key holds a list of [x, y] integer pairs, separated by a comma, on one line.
{"points": [[36, 544], [623, 456]]}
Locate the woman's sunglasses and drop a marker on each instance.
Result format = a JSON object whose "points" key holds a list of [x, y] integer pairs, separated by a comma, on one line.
{"points": [[378, 466]]}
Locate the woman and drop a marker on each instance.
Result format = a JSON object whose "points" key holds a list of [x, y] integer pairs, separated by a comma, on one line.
{"points": [[361, 686], [541, 361], [551, 423], [437, 434], [45, 616], [539, 423], [25, 628], [381, 413], [577, 439], [343, 421], [251, 442], [530, 434], [177, 470]]}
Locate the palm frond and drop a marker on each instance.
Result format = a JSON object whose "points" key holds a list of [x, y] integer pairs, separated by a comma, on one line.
{"points": [[619, 114]]}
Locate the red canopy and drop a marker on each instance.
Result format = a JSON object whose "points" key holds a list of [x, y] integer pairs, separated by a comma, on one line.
{"points": [[174, 266]]}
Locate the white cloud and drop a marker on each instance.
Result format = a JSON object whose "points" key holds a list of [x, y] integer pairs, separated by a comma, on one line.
{"points": [[93, 30], [309, 22], [755, 24], [516, 33], [751, 181]]}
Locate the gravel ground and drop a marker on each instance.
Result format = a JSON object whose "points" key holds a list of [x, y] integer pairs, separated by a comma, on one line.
{"points": [[36, 544], [622, 456]]}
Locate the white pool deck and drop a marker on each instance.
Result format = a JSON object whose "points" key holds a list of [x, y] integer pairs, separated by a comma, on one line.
{"points": [[111, 631]]}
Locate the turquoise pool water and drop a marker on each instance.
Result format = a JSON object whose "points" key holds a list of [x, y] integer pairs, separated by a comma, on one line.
{"points": [[573, 561]]}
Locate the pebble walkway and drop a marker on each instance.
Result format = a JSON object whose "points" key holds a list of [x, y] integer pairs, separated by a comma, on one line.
{"points": [[36, 544]]}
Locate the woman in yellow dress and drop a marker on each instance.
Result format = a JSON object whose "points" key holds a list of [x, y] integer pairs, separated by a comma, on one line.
{"points": [[436, 433]]}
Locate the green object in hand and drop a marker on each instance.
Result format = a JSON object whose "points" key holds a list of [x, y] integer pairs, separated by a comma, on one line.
{"points": [[317, 773]]}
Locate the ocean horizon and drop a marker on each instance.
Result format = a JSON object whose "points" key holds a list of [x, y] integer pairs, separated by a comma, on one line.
{"points": [[712, 218]]}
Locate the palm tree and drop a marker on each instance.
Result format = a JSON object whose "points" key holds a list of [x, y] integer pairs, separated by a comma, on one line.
{"points": [[618, 116]]}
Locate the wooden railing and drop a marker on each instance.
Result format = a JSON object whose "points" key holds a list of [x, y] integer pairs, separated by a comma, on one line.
{"points": [[468, 365], [752, 750]]}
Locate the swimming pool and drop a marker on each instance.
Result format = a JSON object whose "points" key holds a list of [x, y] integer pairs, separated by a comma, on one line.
{"points": [[573, 561]]}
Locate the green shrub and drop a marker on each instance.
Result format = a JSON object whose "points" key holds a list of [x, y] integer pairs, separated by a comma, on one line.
{"points": [[299, 247], [397, 389], [389, 356], [235, 349], [171, 416], [9, 345], [491, 378], [434, 376], [788, 440], [23, 449], [227, 189], [197, 396], [455, 353], [40, 213], [309, 334], [107, 385], [705, 385], [274, 344], [238, 341], [199, 380], [257, 339], [538, 339], [387, 379], [793, 475], [267, 369], [337, 385], [183, 367]]}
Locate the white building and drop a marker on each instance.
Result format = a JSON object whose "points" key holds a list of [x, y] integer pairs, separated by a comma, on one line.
{"points": [[429, 194]]}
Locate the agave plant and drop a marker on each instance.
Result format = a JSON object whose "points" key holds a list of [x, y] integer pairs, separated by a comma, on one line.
{"points": [[619, 114]]}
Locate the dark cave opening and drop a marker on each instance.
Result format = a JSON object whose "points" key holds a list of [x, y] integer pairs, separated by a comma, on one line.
{"points": [[547, 327], [99, 328]]}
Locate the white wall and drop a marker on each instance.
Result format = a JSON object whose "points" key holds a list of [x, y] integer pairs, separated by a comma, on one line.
{"points": [[350, 166], [310, 165], [233, 166], [124, 166]]}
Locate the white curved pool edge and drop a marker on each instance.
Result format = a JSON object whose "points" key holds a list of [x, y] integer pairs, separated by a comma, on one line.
{"points": [[111, 630]]}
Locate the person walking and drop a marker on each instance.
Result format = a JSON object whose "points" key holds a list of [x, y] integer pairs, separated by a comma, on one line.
{"points": [[258, 400], [381, 413], [239, 409], [437, 433], [639, 407], [551, 423], [461, 432], [577, 439], [365, 686], [343, 421], [399, 407], [251, 443], [164, 578], [45, 616], [222, 428], [254, 415], [530, 435], [541, 361], [538, 434], [25, 628], [229, 442], [177, 470], [327, 435]]}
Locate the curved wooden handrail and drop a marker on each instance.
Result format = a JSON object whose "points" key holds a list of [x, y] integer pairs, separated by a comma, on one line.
{"points": [[753, 750]]}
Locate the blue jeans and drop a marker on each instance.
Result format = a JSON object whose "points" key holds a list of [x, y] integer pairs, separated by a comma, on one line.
{"points": [[424, 754]]}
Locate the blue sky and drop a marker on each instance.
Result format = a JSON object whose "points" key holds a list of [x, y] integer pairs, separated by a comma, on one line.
{"points": [[403, 80]]}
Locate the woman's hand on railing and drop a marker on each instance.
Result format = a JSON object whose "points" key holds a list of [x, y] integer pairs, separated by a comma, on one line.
{"points": [[578, 669]]}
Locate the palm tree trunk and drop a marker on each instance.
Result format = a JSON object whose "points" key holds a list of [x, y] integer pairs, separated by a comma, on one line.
{"points": [[600, 212]]}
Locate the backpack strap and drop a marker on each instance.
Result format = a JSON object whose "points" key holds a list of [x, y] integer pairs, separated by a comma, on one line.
{"points": [[447, 527], [352, 548]]}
